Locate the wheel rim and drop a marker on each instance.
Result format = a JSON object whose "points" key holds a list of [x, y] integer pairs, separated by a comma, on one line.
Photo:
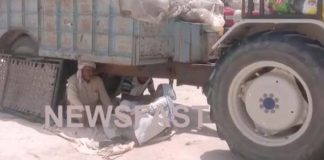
{"points": [[259, 118]]}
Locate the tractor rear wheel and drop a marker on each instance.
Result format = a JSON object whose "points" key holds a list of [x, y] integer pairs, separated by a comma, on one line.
{"points": [[267, 97], [24, 46]]}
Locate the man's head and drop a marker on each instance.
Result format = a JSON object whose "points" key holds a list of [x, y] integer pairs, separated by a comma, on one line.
{"points": [[86, 69]]}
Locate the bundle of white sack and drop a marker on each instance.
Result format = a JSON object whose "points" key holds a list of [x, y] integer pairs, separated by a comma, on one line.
{"points": [[209, 12]]}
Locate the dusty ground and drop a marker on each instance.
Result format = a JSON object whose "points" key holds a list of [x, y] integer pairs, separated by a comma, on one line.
{"points": [[21, 139]]}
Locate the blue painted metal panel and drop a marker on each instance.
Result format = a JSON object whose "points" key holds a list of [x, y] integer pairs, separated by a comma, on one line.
{"points": [[95, 29], [190, 43], [182, 38]]}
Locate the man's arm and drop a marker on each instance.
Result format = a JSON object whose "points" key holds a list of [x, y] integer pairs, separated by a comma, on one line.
{"points": [[72, 92], [151, 88]]}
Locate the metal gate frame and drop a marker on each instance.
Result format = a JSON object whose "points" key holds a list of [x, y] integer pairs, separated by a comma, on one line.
{"points": [[27, 85]]}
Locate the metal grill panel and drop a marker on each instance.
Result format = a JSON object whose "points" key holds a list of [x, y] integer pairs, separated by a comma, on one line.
{"points": [[28, 85], [3, 74]]}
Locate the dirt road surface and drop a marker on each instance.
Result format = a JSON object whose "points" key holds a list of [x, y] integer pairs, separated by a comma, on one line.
{"points": [[21, 139]]}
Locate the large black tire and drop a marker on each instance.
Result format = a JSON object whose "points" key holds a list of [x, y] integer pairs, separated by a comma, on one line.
{"points": [[24, 46], [303, 55]]}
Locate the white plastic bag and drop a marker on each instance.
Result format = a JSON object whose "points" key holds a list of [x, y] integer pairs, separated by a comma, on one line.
{"points": [[152, 11]]}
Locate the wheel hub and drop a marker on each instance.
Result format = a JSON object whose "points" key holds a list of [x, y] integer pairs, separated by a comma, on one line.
{"points": [[274, 102], [269, 103]]}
